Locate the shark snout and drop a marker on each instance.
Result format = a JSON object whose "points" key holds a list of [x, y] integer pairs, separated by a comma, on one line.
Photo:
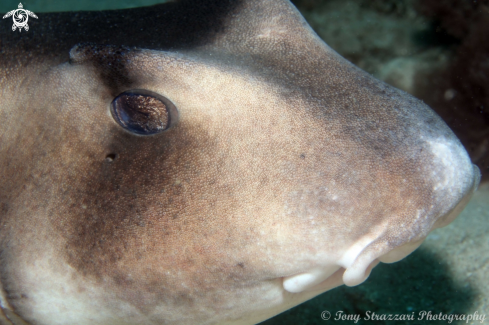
{"points": [[454, 178], [430, 188], [467, 190]]}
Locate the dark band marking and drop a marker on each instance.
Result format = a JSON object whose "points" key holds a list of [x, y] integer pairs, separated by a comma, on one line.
{"points": [[174, 25], [109, 60]]}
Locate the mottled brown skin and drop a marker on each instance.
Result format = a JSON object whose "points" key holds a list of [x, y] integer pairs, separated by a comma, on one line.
{"points": [[284, 157]]}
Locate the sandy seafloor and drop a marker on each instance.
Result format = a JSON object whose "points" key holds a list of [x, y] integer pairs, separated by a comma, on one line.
{"points": [[449, 273]]}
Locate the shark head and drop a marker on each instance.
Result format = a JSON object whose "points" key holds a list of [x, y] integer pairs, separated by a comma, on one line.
{"points": [[214, 162]]}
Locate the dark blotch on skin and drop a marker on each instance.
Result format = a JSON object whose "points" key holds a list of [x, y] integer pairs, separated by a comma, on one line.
{"points": [[183, 24], [117, 225], [3, 207]]}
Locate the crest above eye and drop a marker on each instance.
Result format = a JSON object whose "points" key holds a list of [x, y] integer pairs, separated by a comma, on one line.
{"points": [[143, 112]]}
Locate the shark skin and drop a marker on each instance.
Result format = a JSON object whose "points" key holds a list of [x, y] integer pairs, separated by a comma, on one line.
{"points": [[286, 171]]}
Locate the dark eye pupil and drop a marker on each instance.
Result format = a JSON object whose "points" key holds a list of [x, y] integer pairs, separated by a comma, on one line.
{"points": [[142, 112]]}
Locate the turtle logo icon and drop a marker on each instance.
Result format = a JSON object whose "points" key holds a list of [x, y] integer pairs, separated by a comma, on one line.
{"points": [[20, 17]]}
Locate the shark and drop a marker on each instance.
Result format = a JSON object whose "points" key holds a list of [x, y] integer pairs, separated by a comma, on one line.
{"points": [[204, 162]]}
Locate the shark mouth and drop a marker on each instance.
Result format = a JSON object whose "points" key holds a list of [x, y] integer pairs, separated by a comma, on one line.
{"points": [[355, 265]]}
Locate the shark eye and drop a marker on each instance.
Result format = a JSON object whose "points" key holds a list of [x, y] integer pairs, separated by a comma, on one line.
{"points": [[143, 112]]}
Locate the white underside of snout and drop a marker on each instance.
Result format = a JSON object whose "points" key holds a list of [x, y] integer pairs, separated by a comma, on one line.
{"points": [[400, 252]]}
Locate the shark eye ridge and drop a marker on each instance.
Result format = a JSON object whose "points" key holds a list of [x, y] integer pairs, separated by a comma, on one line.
{"points": [[143, 112]]}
